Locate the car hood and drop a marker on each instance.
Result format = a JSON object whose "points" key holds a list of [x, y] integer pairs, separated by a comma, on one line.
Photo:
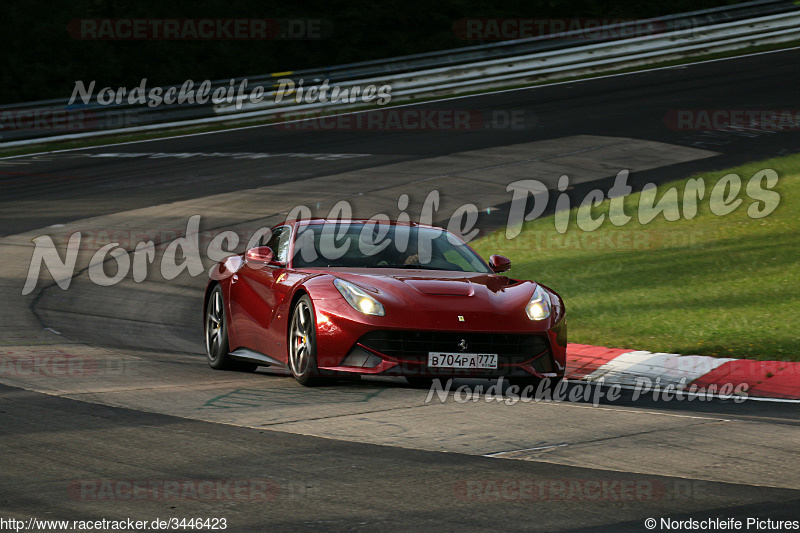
{"points": [[430, 282], [435, 288], [446, 299]]}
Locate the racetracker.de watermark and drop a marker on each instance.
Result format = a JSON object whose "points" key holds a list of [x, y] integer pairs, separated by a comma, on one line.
{"points": [[409, 119], [595, 28], [171, 490], [523, 489], [198, 29], [65, 120], [622, 239], [768, 120], [55, 363]]}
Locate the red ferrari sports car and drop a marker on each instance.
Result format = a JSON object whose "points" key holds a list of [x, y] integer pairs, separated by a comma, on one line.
{"points": [[326, 299]]}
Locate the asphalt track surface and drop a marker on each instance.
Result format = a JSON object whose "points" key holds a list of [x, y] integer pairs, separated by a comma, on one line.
{"points": [[370, 455]]}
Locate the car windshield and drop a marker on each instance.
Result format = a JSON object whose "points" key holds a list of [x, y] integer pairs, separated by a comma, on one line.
{"points": [[376, 245]]}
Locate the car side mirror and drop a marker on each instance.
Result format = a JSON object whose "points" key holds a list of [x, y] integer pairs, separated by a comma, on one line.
{"points": [[260, 255], [499, 263]]}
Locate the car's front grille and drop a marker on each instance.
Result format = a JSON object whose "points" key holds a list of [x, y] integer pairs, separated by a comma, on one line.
{"points": [[414, 346]]}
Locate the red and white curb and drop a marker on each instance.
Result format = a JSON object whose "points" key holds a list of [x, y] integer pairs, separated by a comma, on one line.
{"points": [[764, 379]]}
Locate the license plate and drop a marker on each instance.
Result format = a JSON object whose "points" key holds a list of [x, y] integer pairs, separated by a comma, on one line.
{"points": [[462, 360]]}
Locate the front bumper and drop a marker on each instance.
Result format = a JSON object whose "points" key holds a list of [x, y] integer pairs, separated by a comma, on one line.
{"points": [[353, 346]]}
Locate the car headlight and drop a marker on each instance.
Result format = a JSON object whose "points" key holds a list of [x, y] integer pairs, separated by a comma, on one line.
{"points": [[358, 299], [539, 306]]}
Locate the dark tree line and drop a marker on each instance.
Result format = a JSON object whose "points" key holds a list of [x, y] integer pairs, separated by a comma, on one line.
{"points": [[41, 60]]}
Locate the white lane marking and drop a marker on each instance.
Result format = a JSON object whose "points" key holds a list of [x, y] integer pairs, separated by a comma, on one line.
{"points": [[231, 155], [776, 400], [717, 397], [187, 155], [496, 454], [605, 76], [630, 410]]}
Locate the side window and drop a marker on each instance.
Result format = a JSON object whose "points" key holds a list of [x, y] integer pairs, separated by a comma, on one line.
{"points": [[279, 242]]}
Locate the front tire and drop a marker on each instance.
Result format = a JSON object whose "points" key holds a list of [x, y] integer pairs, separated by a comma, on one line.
{"points": [[216, 333], [303, 344]]}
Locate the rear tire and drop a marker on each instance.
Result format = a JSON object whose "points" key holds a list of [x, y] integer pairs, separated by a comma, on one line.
{"points": [[302, 344], [216, 334]]}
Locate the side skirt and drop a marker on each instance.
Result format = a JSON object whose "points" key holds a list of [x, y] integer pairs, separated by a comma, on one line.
{"points": [[251, 356]]}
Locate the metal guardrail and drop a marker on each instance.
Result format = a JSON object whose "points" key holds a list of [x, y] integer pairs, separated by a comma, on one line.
{"points": [[542, 43], [434, 73], [576, 59]]}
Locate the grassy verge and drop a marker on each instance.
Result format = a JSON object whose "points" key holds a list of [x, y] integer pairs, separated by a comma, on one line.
{"points": [[123, 137], [726, 286]]}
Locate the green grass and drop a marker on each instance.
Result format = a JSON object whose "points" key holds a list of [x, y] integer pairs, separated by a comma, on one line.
{"points": [[726, 286]]}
